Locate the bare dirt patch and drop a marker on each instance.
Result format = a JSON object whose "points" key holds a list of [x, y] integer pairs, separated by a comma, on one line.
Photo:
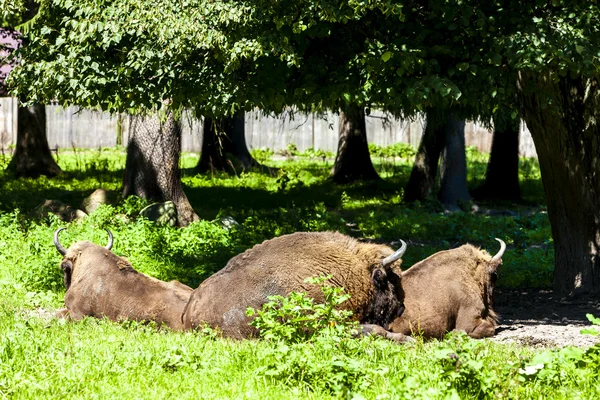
{"points": [[539, 318]]}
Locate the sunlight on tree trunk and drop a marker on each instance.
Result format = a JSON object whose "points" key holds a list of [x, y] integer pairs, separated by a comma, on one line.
{"points": [[353, 160], [32, 156], [568, 148], [152, 166]]}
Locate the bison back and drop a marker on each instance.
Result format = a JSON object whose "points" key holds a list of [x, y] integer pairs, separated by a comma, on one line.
{"points": [[277, 267]]}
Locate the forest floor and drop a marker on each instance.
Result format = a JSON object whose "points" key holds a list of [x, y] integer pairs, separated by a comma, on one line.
{"points": [[539, 318]]}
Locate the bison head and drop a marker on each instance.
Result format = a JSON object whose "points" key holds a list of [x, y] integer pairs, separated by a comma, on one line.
{"points": [[388, 300], [67, 263]]}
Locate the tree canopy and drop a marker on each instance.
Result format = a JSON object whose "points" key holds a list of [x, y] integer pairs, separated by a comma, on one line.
{"points": [[536, 58], [216, 57]]}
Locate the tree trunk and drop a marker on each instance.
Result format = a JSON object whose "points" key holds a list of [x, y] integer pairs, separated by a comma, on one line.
{"points": [[424, 170], [567, 141], [502, 175], [453, 165], [152, 166], [32, 156], [224, 146], [353, 160]]}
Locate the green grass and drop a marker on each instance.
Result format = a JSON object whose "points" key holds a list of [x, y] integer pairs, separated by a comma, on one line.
{"points": [[42, 357]]}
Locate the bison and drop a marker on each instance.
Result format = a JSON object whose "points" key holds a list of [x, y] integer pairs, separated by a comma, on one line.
{"points": [[450, 290], [280, 266], [102, 284]]}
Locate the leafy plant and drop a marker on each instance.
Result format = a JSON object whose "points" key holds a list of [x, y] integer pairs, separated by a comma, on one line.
{"points": [[591, 330], [463, 368], [262, 155], [296, 318]]}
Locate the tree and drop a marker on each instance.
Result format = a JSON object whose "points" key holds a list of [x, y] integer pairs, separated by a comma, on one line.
{"points": [[443, 141], [403, 57], [502, 175], [568, 148], [353, 161], [152, 166], [224, 145], [32, 156], [453, 166], [424, 170]]}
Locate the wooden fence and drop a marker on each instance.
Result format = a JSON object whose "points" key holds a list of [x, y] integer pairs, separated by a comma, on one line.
{"points": [[75, 128]]}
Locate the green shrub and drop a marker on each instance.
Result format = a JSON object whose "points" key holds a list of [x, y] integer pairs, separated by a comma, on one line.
{"points": [[296, 318]]}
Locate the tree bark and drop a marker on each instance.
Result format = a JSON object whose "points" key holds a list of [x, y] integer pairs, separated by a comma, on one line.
{"points": [[567, 140], [453, 165], [32, 156], [424, 170], [224, 146], [502, 175], [353, 160], [152, 166]]}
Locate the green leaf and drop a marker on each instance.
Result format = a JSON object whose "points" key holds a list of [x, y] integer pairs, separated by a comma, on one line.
{"points": [[462, 66], [589, 331], [386, 56]]}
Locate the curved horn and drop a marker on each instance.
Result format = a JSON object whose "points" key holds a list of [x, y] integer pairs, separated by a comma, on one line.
{"points": [[499, 255], [57, 244], [399, 253], [110, 239]]}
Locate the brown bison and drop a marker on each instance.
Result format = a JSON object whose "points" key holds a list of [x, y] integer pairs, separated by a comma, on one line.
{"points": [[280, 266], [450, 290], [102, 284]]}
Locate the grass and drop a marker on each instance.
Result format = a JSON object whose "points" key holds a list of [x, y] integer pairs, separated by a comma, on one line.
{"points": [[42, 357]]}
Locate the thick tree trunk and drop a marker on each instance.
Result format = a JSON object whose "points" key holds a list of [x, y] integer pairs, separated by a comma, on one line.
{"points": [[32, 156], [224, 146], [453, 165], [567, 141], [353, 160], [152, 166], [424, 170], [502, 175]]}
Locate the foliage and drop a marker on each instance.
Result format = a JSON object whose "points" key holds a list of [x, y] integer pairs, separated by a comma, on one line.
{"points": [[462, 366], [299, 197], [296, 318], [99, 358], [262, 155], [11, 12], [400, 150], [315, 55], [591, 331]]}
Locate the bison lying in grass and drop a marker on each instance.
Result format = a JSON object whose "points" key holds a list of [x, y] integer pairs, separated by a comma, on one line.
{"points": [[280, 265], [102, 284], [450, 290]]}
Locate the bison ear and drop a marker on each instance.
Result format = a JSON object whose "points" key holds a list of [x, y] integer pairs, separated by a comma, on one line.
{"points": [[379, 277], [67, 267]]}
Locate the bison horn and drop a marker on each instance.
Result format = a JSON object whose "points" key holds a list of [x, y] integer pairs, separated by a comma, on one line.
{"points": [[110, 239], [499, 255], [399, 253], [57, 244]]}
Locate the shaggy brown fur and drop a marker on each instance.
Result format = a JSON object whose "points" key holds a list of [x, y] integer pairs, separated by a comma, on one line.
{"points": [[102, 284], [449, 290], [280, 265]]}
